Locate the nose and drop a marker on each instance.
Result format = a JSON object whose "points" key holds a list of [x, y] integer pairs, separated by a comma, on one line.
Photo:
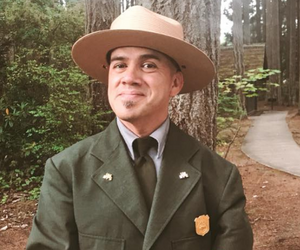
{"points": [[131, 76]]}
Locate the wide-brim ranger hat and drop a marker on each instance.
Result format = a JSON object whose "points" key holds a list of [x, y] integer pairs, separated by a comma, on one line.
{"points": [[140, 27]]}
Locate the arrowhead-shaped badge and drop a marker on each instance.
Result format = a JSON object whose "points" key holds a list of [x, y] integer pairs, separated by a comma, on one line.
{"points": [[202, 225]]}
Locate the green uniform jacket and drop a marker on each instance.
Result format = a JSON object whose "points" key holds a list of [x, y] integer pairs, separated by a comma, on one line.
{"points": [[79, 209]]}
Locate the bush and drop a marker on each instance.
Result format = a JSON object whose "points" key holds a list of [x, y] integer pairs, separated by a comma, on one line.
{"points": [[43, 99]]}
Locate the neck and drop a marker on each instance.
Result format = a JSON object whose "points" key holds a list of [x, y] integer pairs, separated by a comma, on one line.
{"points": [[143, 128]]}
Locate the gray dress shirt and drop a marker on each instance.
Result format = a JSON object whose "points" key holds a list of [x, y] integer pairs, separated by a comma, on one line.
{"points": [[160, 134]]}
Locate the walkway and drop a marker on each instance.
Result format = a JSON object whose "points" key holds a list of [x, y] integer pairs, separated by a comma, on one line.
{"points": [[270, 143]]}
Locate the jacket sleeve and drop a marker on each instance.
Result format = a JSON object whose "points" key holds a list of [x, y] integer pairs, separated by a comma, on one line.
{"points": [[54, 224], [233, 228]]}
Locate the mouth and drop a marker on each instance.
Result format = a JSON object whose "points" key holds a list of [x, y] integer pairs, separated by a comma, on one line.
{"points": [[131, 94]]}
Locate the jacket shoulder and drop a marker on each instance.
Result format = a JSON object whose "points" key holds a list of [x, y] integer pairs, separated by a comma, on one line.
{"points": [[82, 150], [200, 153]]}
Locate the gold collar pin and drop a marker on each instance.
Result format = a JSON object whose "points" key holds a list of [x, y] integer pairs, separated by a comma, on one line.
{"points": [[183, 175], [108, 177]]}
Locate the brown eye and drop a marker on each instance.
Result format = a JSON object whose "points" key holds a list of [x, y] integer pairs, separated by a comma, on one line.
{"points": [[119, 66], [149, 66]]}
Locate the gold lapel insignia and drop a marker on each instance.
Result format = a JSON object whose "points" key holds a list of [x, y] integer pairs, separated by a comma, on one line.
{"points": [[202, 225], [108, 177], [183, 175]]}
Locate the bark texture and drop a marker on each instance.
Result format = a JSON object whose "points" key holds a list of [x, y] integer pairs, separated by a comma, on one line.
{"points": [[273, 45], [237, 33], [264, 15], [125, 4], [298, 59], [246, 24], [99, 16], [195, 112], [258, 19], [292, 5]]}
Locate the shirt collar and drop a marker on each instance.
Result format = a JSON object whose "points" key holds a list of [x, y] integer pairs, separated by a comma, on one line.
{"points": [[160, 134]]}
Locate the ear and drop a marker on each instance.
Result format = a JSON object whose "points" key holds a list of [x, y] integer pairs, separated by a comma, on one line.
{"points": [[177, 83]]}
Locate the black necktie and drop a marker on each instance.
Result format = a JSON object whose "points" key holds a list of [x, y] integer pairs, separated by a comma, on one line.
{"points": [[145, 167]]}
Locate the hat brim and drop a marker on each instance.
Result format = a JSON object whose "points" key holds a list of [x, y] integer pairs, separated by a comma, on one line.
{"points": [[90, 51]]}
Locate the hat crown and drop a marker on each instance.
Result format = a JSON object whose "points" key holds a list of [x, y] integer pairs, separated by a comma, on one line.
{"points": [[140, 27], [142, 19]]}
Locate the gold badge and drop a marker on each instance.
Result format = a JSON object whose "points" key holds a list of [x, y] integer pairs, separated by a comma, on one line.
{"points": [[202, 225]]}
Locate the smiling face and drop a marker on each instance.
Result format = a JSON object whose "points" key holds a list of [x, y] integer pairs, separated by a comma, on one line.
{"points": [[140, 84]]}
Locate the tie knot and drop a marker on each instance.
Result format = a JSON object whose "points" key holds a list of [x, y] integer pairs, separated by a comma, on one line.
{"points": [[142, 145]]}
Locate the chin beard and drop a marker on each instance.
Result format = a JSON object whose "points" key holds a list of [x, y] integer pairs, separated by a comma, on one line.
{"points": [[128, 104]]}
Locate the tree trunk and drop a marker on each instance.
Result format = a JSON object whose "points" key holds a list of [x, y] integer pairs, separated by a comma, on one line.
{"points": [[246, 25], [273, 45], [238, 49], [258, 27], [292, 5], [99, 16], [237, 33], [195, 112], [284, 48], [125, 4], [298, 59], [264, 15]]}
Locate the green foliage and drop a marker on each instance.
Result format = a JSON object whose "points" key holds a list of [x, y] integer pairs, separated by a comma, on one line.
{"points": [[234, 89], [229, 109], [43, 101], [4, 199], [246, 84]]}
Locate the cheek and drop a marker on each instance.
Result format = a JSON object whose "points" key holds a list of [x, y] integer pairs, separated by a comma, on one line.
{"points": [[110, 93], [112, 84]]}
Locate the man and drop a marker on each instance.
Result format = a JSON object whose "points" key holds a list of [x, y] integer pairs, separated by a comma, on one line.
{"points": [[122, 189]]}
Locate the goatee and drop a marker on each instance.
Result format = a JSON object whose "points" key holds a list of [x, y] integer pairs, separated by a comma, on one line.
{"points": [[128, 104]]}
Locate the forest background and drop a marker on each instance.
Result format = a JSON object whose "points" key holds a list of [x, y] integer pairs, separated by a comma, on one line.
{"points": [[47, 103]]}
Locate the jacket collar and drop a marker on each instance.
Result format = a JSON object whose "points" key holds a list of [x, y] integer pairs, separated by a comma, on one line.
{"points": [[124, 190]]}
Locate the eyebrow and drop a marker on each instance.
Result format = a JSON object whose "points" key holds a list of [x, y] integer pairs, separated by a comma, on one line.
{"points": [[144, 56]]}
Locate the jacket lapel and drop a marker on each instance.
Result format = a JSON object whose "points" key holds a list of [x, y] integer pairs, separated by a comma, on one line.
{"points": [[171, 191], [123, 189]]}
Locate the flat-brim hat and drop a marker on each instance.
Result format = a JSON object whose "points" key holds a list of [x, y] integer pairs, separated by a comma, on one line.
{"points": [[140, 27]]}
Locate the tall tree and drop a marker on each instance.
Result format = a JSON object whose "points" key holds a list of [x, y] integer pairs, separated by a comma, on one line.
{"points": [[264, 16], [258, 21], [126, 3], [246, 24], [99, 16], [237, 33], [195, 112], [285, 45], [273, 44], [292, 6], [298, 59], [238, 49]]}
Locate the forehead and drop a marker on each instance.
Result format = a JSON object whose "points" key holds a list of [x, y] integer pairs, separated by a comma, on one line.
{"points": [[136, 52]]}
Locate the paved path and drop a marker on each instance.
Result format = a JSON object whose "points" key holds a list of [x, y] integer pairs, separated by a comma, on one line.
{"points": [[270, 142]]}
